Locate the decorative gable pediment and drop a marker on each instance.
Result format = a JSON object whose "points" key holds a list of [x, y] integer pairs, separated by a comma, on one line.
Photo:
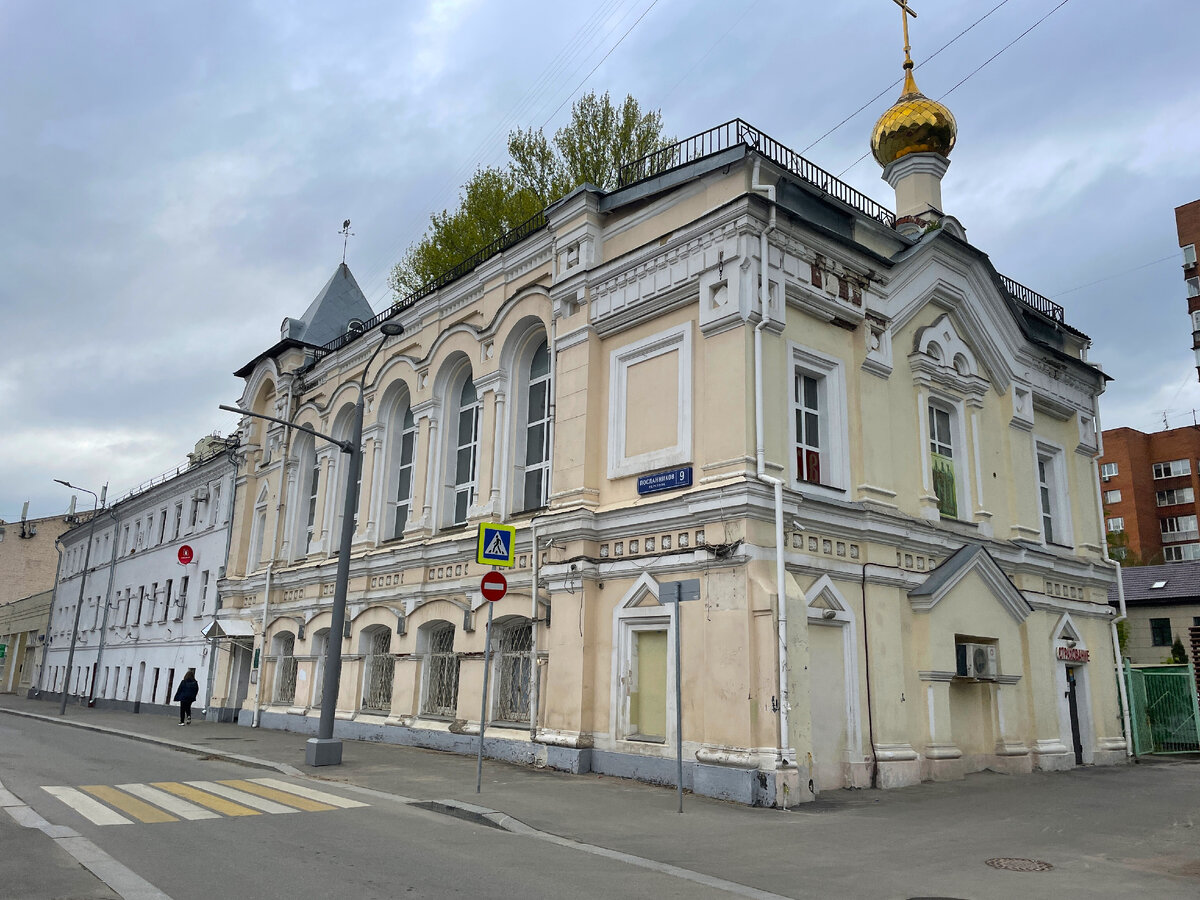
{"points": [[643, 593], [970, 558], [942, 357]]}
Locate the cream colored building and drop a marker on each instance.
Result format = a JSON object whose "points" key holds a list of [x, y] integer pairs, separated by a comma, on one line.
{"points": [[878, 455], [22, 634]]}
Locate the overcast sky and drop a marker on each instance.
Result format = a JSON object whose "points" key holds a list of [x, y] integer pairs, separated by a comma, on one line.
{"points": [[175, 174]]}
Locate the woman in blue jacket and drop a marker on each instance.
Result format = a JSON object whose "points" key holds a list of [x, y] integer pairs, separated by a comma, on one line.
{"points": [[186, 694]]}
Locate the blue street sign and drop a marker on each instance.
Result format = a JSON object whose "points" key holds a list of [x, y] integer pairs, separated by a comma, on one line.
{"points": [[497, 545], [670, 480]]}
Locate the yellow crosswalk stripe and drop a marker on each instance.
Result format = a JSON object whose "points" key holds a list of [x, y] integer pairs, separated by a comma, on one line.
{"points": [[279, 796], [128, 804], [242, 797], [203, 798], [319, 796], [181, 808]]}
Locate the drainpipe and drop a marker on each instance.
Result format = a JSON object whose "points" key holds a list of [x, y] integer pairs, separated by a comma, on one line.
{"points": [[534, 615], [112, 566], [1117, 657], [50, 619], [263, 652], [760, 458], [1116, 640]]}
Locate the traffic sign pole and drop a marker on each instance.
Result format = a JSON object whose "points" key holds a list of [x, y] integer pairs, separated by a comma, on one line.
{"points": [[487, 667]]}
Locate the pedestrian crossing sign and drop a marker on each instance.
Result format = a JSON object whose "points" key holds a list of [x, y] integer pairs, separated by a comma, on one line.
{"points": [[497, 545]]}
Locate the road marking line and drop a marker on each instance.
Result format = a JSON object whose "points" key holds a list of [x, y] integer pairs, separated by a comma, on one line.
{"points": [[242, 797], [205, 799], [127, 804], [319, 796], [92, 810], [279, 796], [181, 808]]}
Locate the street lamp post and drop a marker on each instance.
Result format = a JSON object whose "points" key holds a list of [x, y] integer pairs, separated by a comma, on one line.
{"points": [[325, 749], [87, 555]]}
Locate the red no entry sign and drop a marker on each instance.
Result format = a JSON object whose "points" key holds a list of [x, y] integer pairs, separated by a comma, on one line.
{"points": [[494, 586], [185, 555]]}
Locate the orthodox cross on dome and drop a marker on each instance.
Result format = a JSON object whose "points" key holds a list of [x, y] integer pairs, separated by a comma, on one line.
{"points": [[905, 12]]}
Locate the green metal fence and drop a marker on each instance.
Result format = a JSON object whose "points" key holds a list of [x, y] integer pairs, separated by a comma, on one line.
{"points": [[1163, 709]]}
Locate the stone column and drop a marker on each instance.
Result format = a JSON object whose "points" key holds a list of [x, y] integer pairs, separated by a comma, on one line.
{"points": [[943, 759], [1013, 755]]}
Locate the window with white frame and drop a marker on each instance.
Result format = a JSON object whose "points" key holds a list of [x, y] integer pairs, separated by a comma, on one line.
{"points": [[402, 506], [1108, 470], [1179, 528], [1193, 287], [178, 520], [216, 504], [1174, 496], [1052, 498], [1189, 255], [1173, 469], [1181, 552], [818, 419], [308, 485], [162, 526], [941, 452], [256, 539], [465, 447], [1115, 524], [535, 467], [1112, 496], [203, 590]]}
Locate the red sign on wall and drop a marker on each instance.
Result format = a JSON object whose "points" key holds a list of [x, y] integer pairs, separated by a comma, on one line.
{"points": [[185, 555], [1072, 654]]}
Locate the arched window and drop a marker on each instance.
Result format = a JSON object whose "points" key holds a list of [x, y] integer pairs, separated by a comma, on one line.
{"points": [[514, 669], [283, 649], [308, 477], [403, 484], [343, 426], [320, 647], [465, 442], [535, 477]]}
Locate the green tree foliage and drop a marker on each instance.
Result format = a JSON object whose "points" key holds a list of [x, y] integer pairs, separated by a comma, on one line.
{"points": [[1178, 654], [591, 148]]}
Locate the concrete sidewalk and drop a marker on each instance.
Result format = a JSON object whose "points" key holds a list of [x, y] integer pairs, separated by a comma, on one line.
{"points": [[1108, 832]]}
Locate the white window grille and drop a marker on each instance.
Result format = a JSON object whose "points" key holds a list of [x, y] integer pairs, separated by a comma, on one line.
{"points": [[284, 692], [514, 669], [441, 674], [378, 668]]}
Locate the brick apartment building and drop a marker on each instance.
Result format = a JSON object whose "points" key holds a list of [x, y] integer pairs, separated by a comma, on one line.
{"points": [[1187, 224], [1149, 484]]}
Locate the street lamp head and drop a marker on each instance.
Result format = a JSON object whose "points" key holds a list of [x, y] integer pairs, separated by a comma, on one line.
{"points": [[391, 328], [65, 483]]}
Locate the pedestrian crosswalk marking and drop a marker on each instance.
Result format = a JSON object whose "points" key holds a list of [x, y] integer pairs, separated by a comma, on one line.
{"points": [[181, 808], [170, 801], [128, 804], [310, 793], [272, 794], [204, 798], [242, 797], [87, 807]]}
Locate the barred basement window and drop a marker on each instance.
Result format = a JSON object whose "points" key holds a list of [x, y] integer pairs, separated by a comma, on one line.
{"points": [[441, 673], [514, 665]]}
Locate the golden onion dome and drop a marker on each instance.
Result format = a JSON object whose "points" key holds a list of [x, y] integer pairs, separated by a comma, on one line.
{"points": [[913, 124]]}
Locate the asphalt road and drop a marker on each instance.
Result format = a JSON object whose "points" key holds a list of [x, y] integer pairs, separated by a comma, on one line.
{"points": [[383, 849]]}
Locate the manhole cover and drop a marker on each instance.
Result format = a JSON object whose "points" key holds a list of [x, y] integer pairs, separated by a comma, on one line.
{"points": [[1013, 864]]}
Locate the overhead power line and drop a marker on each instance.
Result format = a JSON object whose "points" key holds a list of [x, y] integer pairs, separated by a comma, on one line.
{"points": [[1080, 287]]}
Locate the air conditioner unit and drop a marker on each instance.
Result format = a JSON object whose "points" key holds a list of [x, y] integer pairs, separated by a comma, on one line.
{"points": [[202, 493], [1106, 478], [976, 661]]}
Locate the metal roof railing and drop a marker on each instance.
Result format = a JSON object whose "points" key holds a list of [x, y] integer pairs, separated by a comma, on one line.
{"points": [[1044, 305]]}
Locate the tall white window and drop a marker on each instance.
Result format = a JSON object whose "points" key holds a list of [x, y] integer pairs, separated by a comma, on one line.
{"points": [[807, 409], [817, 424], [1115, 524], [404, 473], [466, 449], [256, 539], [537, 431], [310, 479], [1189, 255], [941, 451], [178, 519], [1173, 469], [1046, 490], [1053, 501], [1179, 528], [1175, 495], [1193, 287]]}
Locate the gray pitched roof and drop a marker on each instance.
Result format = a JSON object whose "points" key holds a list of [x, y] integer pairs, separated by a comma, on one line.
{"points": [[328, 316], [1182, 583], [948, 570]]}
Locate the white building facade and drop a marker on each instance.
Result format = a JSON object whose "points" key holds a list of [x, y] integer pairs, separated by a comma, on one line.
{"points": [[149, 587]]}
